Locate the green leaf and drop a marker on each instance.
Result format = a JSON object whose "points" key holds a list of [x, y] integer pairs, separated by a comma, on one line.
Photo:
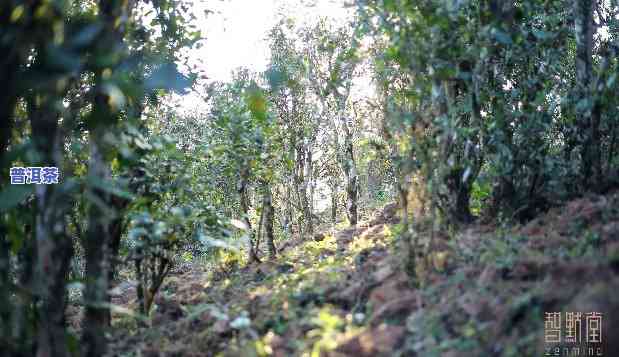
{"points": [[276, 77], [13, 195], [256, 102], [611, 80], [86, 35], [542, 35], [501, 36], [109, 186], [167, 76], [62, 59]]}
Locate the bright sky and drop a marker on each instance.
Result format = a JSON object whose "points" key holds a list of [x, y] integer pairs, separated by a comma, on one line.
{"points": [[236, 32], [236, 37]]}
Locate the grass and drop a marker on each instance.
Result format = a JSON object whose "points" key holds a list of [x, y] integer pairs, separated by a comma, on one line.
{"points": [[485, 293]]}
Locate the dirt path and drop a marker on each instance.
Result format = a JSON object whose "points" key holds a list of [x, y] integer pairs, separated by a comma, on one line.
{"points": [[346, 294]]}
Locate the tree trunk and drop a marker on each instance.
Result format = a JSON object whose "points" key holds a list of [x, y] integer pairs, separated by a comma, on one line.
{"points": [[269, 212], [333, 203], [54, 246], [288, 210], [114, 16], [259, 235], [401, 186], [350, 171], [96, 249], [408, 239], [458, 205], [139, 274], [308, 197], [9, 71], [5, 266], [307, 229], [587, 108], [150, 270], [459, 177], [309, 179], [244, 198], [54, 255], [119, 204], [23, 309]]}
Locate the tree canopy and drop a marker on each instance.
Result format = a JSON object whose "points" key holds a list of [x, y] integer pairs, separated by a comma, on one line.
{"points": [[475, 113]]}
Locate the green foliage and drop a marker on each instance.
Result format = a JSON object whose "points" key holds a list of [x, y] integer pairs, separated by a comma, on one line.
{"points": [[247, 138], [514, 124], [494, 110], [480, 194], [78, 78]]}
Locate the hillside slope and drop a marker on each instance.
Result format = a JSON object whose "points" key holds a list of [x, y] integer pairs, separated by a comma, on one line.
{"points": [[345, 294]]}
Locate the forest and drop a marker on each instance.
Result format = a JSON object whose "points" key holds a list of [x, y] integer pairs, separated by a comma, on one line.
{"points": [[415, 178]]}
